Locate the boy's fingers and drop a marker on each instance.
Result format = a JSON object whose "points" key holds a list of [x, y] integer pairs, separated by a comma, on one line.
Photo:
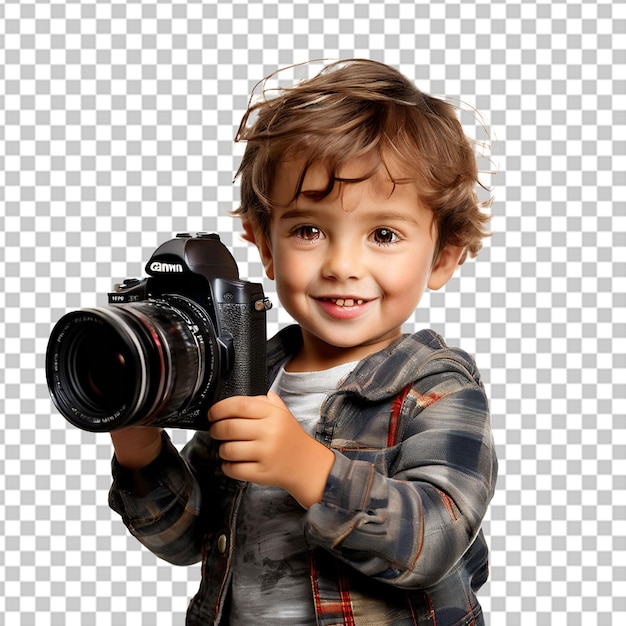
{"points": [[251, 407], [237, 451], [230, 407], [243, 470], [235, 429]]}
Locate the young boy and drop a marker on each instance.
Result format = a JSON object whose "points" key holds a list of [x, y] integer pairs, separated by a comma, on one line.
{"points": [[353, 493]]}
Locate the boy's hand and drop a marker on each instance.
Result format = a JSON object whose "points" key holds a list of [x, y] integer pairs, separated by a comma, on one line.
{"points": [[136, 446], [262, 442]]}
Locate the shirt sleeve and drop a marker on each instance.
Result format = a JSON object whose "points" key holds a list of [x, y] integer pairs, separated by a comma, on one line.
{"points": [[408, 516], [160, 505]]}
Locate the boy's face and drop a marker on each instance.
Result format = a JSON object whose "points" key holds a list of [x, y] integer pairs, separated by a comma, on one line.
{"points": [[350, 268]]}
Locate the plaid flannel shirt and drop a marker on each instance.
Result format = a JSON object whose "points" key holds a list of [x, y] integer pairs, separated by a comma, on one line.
{"points": [[397, 536]]}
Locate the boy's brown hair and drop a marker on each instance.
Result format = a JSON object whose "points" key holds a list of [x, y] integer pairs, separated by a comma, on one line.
{"points": [[362, 108]]}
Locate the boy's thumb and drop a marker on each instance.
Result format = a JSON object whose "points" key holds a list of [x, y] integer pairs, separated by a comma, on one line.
{"points": [[275, 400]]}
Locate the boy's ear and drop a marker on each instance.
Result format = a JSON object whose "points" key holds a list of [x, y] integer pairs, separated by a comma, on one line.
{"points": [[444, 266], [248, 232], [255, 235]]}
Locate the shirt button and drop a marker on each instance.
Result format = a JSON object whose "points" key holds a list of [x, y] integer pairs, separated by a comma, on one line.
{"points": [[222, 544]]}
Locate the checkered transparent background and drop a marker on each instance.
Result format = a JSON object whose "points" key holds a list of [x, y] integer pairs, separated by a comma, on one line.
{"points": [[116, 127]]}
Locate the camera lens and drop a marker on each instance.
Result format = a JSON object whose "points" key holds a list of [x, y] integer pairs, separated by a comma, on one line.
{"points": [[101, 366], [127, 364]]}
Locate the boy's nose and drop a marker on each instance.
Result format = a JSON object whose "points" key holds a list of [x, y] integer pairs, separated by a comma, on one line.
{"points": [[342, 262]]}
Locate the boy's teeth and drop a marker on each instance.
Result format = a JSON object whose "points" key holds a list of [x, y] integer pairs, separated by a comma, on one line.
{"points": [[345, 301]]}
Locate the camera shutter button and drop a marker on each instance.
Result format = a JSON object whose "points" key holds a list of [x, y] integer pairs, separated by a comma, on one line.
{"points": [[222, 543]]}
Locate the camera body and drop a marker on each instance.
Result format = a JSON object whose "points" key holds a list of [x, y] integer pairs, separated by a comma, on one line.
{"points": [[167, 347]]}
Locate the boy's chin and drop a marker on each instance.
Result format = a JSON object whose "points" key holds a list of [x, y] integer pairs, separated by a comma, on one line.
{"points": [[359, 347]]}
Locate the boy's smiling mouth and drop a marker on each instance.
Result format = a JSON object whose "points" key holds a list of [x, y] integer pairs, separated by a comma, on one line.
{"points": [[344, 302], [343, 307]]}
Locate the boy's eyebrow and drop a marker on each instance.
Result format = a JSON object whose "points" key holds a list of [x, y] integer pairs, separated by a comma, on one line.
{"points": [[296, 213], [394, 217], [377, 216]]}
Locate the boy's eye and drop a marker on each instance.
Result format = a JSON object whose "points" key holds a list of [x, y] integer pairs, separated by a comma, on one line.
{"points": [[307, 232], [385, 235]]}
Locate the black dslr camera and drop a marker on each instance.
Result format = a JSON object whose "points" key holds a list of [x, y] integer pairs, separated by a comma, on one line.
{"points": [[167, 347]]}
